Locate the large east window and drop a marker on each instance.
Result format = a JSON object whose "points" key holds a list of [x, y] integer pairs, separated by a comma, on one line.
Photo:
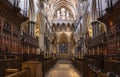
{"points": [[63, 14]]}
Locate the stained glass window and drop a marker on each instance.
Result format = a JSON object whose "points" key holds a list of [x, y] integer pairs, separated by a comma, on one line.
{"points": [[63, 14]]}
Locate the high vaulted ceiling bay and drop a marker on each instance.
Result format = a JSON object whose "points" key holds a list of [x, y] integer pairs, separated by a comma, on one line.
{"points": [[53, 6]]}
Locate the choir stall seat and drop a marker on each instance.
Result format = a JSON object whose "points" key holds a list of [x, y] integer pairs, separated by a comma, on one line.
{"points": [[11, 71]]}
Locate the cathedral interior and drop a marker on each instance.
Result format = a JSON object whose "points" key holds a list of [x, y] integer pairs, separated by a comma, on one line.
{"points": [[59, 38]]}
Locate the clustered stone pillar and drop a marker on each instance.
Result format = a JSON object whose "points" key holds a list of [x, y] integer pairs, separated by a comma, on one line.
{"points": [[31, 28], [95, 28]]}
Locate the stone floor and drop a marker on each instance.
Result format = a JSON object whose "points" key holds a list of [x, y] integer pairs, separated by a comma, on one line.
{"points": [[63, 68]]}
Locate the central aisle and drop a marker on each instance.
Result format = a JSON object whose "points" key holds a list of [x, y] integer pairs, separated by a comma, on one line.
{"points": [[63, 68]]}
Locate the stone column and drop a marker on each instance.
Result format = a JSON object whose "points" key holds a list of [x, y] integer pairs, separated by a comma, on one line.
{"points": [[34, 29], [42, 33], [30, 28], [41, 41], [69, 49], [75, 53], [58, 48], [51, 47]]}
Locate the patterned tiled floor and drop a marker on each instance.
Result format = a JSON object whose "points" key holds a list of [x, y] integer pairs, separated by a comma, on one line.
{"points": [[63, 68]]}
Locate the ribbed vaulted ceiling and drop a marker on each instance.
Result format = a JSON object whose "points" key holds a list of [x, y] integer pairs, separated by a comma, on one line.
{"points": [[54, 5]]}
